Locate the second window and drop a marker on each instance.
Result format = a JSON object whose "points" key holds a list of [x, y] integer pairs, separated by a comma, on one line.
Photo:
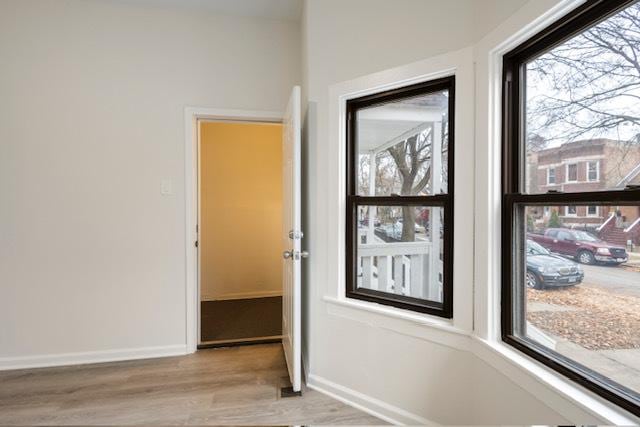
{"points": [[400, 197]]}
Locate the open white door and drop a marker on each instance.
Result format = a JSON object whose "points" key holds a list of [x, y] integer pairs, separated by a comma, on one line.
{"points": [[291, 243]]}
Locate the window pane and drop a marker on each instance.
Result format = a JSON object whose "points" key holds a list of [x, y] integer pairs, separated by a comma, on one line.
{"points": [[404, 143], [592, 173], [582, 106], [572, 172], [551, 176], [400, 250], [579, 288]]}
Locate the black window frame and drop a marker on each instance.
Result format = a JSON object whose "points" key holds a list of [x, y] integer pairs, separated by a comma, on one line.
{"points": [[514, 198], [445, 201]]}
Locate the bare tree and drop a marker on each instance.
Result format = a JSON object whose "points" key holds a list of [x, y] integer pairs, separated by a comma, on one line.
{"points": [[410, 156], [413, 163], [589, 86], [405, 169]]}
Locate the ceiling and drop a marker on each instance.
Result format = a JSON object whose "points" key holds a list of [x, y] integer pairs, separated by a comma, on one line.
{"points": [[289, 10], [393, 122]]}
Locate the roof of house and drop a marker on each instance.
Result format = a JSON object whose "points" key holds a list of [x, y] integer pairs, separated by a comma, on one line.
{"points": [[580, 144]]}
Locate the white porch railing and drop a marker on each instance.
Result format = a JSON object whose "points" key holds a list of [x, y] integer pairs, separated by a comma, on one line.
{"points": [[403, 268], [632, 226]]}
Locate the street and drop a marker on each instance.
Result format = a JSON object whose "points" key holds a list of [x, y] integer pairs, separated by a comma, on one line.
{"points": [[596, 324], [616, 279]]}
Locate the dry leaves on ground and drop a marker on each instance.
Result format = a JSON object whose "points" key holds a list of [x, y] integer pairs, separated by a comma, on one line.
{"points": [[631, 267], [599, 320]]}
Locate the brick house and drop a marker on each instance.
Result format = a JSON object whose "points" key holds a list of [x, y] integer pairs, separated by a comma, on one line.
{"points": [[588, 165]]}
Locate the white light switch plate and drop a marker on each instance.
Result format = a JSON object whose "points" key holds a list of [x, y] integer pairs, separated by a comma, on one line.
{"points": [[166, 187]]}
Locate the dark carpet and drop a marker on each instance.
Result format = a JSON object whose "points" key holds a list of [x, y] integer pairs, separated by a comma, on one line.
{"points": [[241, 319]]}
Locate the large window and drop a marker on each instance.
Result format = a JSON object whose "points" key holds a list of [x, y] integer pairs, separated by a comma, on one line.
{"points": [[571, 282], [400, 197]]}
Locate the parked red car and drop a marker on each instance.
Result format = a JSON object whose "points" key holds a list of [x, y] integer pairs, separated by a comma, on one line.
{"points": [[580, 245]]}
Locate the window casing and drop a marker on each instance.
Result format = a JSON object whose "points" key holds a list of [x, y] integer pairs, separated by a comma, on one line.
{"points": [[382, 207], [516, 202]]}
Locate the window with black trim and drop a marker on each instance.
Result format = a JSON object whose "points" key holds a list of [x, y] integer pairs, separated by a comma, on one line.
{"points": [[570, 287], [399, 217]]}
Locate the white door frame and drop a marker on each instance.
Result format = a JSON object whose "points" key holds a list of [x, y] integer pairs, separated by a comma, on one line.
{"points": [[192, 203]]}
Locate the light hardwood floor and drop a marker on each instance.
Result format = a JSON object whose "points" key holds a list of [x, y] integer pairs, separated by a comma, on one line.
{"points": [[233, 386]]}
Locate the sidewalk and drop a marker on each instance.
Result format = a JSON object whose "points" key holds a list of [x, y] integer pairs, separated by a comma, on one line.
{"points": [[633, 263]]}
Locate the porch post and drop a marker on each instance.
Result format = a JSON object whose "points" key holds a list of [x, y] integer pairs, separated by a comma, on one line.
{"points": [[373, 210], [434, 286]]}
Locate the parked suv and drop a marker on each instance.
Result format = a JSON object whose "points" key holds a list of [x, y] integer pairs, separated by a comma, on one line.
{"points": [[545, 269], [580, 245]]}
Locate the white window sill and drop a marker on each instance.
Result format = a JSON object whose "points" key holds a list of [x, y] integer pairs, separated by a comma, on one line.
{"points": [[530, 374], [541, 381], [418, 325], [398, 313]]}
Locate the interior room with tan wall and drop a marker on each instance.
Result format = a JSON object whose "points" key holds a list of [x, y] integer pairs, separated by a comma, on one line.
{"points": [[241, 210]]}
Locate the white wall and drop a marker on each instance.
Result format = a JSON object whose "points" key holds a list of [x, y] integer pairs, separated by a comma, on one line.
{"points": [[403, 370], [489, 14], [92, 98]]}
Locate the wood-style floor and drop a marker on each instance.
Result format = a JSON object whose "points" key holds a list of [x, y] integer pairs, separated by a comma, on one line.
{"points": [[231, 386]]}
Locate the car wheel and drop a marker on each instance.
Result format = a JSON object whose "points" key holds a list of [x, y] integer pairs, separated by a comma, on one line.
{"points": [[586, 257], [533, 282]]}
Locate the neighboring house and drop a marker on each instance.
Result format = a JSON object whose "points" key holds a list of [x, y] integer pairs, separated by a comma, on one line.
{"points": [[588, 165]]}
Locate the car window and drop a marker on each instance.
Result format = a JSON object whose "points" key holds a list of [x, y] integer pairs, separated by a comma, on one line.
{"points": [[534, 248], [563, 235], [552, 233], [585, 237]]}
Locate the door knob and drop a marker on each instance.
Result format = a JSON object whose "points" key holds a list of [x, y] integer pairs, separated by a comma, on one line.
{"points": [[287, 254], [304, 254]]}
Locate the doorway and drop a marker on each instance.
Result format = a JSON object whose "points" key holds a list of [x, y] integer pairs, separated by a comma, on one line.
{"points": [[240, 226], [291, 234]]}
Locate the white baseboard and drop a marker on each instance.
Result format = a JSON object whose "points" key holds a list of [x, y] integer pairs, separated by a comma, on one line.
{"points": [[241, 295], [65, 359], [372, 406]]}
